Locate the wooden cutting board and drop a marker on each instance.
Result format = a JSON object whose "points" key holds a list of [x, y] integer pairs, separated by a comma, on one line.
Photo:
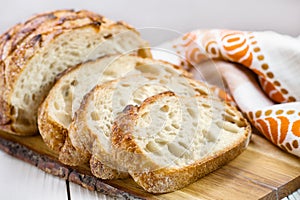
{"points": [[262, 171]]}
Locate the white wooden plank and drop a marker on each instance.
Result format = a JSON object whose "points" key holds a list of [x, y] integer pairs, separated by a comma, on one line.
{"points": [[295, 195], [298, 192], [20, 180], [79, 193]]}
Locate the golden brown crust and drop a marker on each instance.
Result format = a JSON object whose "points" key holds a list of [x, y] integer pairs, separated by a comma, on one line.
{"points": [[31, 36], [6, 41], [34, 26], [55, 20], [5, 48], [104, 172], [121, 129], [54, 135], [70, 156], [28, 49]]}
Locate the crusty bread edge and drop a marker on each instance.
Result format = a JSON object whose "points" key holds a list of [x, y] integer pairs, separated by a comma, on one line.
{"points": [[103, 171], [15, 71], [49, 129], [53, 133]]}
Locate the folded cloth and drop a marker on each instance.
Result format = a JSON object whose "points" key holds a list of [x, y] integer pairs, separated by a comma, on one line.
{"points": [[262, 71]]}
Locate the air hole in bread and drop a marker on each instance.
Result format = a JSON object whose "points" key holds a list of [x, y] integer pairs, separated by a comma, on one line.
{"points": [[230, 112], [125, 85], [152, 147], [88, 45], [74, 83], [56, 49], [18, 94], [168, 128], [44, 78], [147, 69], [161, 141], [183, 144], [56, 106], [175, 149], [26, 99], [171, 71], [171, 114], [45, 54], [109, 73], [176, 126], [192, 112], [201, 92], [163, 81], [193, 84], [228, 126], [66, 43], [165, 108], [107, 133], [51, 66], [146, 117], [206, 105], [137, 101], [74, 53], [95, 116]]}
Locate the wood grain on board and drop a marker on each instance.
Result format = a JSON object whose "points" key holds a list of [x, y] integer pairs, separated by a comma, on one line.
{"points": [[262, 171]]}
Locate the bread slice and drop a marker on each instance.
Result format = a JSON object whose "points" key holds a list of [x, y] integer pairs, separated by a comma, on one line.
{"points": [[170, 141], [15, 36], [53, 43], [91, 128], [57, 110], [96, 116]]}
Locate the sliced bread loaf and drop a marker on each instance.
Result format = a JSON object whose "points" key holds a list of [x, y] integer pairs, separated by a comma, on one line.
{"points": [[170, 141], [57, 110], [45, 46], [91, 128]]}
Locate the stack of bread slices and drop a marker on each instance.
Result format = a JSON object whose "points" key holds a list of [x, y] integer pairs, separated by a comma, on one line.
{"points": [[89, 86]]}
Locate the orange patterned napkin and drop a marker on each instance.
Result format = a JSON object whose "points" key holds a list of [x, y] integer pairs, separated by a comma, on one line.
{"points": [[262, 71]]}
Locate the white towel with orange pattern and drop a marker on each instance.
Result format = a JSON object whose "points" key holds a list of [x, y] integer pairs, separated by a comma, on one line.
{"points": [[262, 72]]}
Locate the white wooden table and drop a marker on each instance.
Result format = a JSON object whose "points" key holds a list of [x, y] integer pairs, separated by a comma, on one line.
{"points": [[20, 180]]}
